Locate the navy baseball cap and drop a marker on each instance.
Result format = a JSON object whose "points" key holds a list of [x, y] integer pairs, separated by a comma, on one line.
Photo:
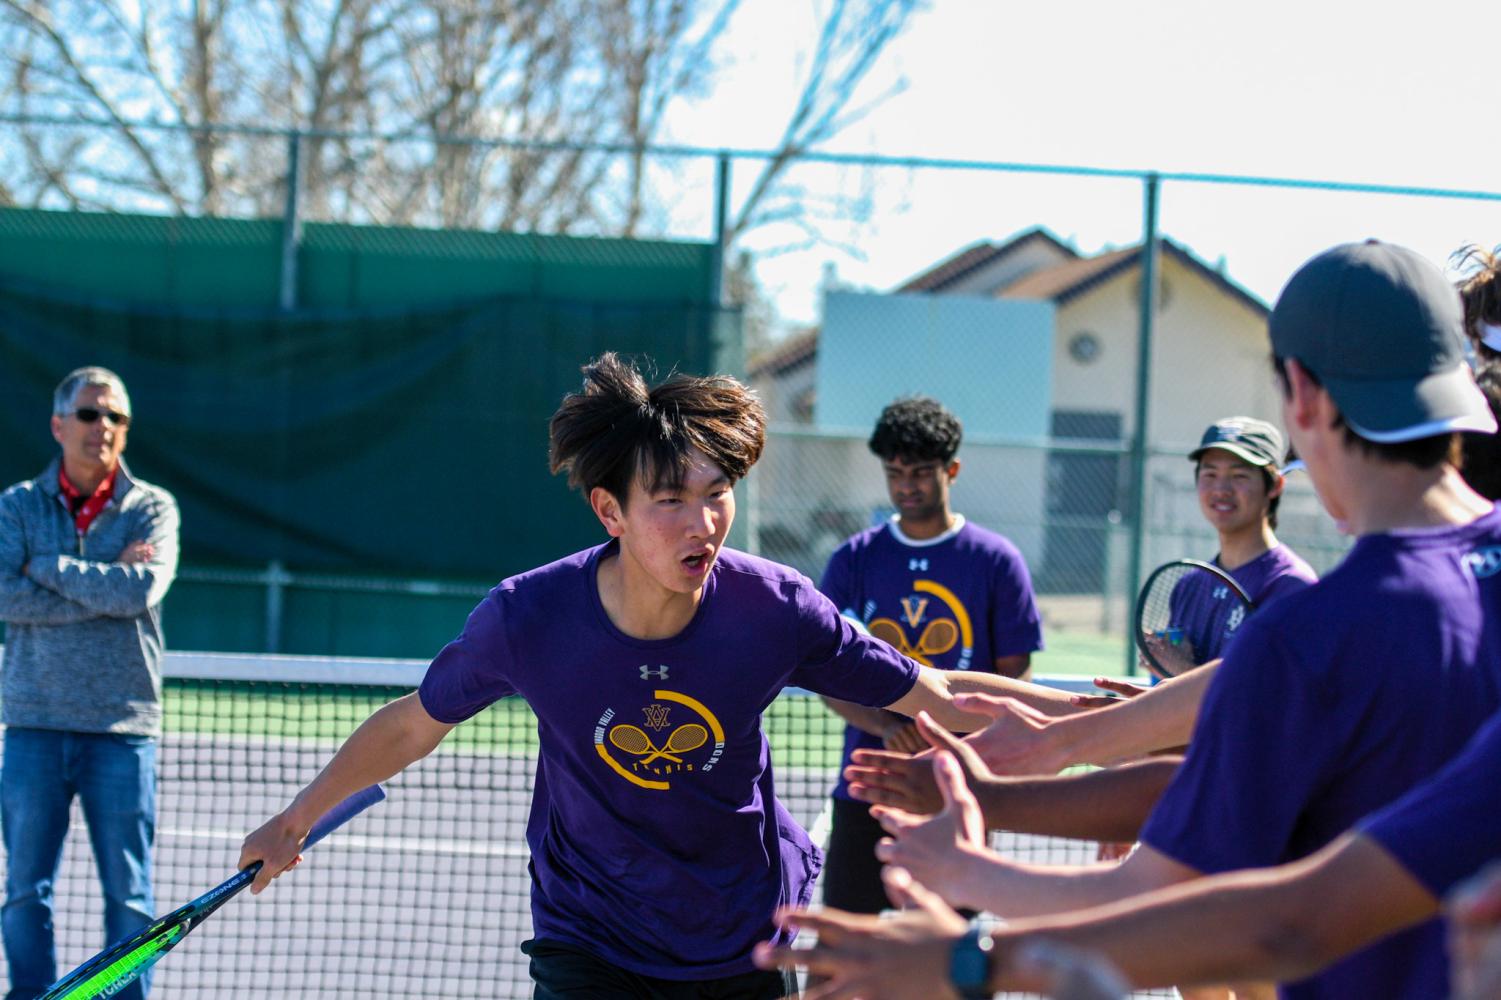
{"points": [[1383, 331], [1251, 440]]}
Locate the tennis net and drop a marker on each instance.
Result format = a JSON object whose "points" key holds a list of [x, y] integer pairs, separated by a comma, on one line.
{"points": [[424, 896]]}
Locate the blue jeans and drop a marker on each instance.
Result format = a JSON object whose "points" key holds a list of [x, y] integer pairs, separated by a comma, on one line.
{"points": [[114, 777]]}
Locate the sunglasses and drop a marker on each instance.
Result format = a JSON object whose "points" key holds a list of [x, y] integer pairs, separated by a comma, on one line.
{"points": [[88, 414]]}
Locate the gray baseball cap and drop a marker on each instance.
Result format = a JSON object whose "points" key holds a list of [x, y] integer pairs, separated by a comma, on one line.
{"points": [[1247, 438], [1382, 330]]}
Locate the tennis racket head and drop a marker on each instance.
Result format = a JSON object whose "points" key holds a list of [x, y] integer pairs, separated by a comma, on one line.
{"points": [[1158, 636], [631, 739], [123, 963], [688, 737]]}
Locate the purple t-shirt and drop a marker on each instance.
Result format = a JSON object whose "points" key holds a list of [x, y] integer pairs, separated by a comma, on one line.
{"points": [[1332, 703], [955, 602], [1209, 618], [657, 841], [1447, 829]]}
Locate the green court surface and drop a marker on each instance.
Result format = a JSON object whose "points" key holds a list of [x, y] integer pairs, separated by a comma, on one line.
{"points": [[1075, 651], [803, 731]]}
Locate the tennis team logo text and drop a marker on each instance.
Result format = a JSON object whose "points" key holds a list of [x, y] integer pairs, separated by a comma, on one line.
{"points": [[671, 735]]}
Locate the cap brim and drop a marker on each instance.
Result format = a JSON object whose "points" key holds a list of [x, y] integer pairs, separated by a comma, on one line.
{"points": [[1239, 451], [1389, 412]]}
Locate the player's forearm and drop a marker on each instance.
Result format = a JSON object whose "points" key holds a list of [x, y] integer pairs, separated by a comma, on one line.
{"points": [[23, 602], [1012, 890], [394, 737], [1045, 699], [1109, 805], [868, 720], [1280, 923], [1158, 719]]}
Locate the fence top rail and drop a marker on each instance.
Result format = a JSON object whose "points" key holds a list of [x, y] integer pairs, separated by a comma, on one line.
{"points": [[740, 153], [1107, 445]]}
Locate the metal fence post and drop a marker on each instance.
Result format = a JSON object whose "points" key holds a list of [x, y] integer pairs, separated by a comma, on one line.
{"points": [[721, 217], [276, 597], [291, 228], [1149, 255]]}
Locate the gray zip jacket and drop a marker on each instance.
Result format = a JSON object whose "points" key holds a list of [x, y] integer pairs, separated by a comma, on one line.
{"points": [[83, 632]]}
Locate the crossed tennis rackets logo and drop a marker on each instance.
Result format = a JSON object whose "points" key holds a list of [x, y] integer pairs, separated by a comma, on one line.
{"points": [[633, 740], [649, 762], [938, 636]]}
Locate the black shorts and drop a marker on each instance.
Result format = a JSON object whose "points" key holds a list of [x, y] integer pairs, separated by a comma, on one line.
{"points": [[564, 972], [851, 871]]}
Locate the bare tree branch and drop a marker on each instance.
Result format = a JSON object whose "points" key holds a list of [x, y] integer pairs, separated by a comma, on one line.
{"points": [[450, 84]]}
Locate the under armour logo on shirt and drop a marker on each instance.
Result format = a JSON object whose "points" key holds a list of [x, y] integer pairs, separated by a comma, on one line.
{"points": [[647, 673], [1483, 562], [917, 565], [1221, 592]]}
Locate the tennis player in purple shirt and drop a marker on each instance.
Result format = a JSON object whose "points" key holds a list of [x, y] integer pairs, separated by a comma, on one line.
{"points": [[1337, 700], [1239, 488], [944, 591], [659, 850]]}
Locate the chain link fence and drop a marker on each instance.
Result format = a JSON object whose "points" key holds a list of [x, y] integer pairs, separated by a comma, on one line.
{"points": [[856, 279], [1064, 505]]}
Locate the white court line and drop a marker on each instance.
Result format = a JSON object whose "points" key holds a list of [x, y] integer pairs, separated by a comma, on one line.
{"points": [[409, 845]]}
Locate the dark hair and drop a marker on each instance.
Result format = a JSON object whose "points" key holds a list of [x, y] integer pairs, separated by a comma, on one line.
{"points": [[916, 428], [1423, 452], [616, 429], [1482, 452], [1480, 292]]}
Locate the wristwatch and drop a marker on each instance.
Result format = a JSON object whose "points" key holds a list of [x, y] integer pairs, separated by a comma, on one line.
{"points": [[969, 965]]}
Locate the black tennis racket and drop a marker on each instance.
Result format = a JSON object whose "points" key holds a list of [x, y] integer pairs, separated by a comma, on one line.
{"points": [[117, 966], [1175, 592]]}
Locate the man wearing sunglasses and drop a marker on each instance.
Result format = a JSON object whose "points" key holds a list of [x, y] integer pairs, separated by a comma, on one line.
{"points": [[87, 553]]}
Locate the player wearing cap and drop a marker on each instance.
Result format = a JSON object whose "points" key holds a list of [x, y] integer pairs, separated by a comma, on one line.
{"points": [[1337, 700], [1239, 488]]}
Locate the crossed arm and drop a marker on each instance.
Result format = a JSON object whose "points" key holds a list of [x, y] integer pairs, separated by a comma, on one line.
{"points": [[60, 589], [122, 588]]}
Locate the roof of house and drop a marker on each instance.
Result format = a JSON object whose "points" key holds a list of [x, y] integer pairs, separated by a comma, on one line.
{"points": [[787, 355], [1070, 279], [1061, 283], [976, 256]]}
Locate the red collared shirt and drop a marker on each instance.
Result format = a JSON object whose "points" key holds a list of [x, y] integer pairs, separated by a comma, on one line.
{"points": [[86, 508]]}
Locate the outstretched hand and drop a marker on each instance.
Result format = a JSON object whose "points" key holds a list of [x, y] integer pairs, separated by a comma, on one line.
{"points": [[938, 849], [1018, 740], [905, 781], [899, 957]]}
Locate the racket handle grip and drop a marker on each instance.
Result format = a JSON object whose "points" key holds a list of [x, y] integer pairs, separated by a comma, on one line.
{"points": [[343, 813]]}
